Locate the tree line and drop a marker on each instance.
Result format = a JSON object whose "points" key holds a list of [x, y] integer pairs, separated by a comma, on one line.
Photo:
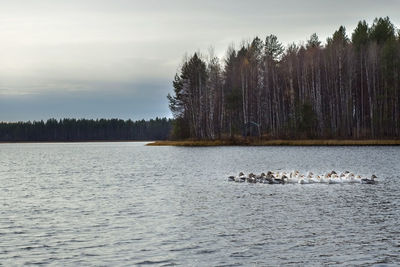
{"points": [[86, 130], [348, 87]]}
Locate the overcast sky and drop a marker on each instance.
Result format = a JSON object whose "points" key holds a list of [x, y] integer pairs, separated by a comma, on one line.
{"points": [[116, 58]]}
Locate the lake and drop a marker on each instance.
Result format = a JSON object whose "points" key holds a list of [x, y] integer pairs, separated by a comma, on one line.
{"points": [[124, 204]]}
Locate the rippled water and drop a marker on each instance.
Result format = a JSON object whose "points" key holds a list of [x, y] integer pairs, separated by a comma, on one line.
{"points": [[126, 204]]}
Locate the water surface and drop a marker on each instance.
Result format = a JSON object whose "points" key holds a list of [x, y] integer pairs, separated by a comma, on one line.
{"points": [[122, 204]]}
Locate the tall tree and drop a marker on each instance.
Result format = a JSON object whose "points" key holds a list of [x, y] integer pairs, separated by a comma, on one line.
{"points": [[342, 89]]}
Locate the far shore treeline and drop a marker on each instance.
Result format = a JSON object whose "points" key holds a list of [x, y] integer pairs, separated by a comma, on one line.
{"points": [[348, 87], [65, 130]]}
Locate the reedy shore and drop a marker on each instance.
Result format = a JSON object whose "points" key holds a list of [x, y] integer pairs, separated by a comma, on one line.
{"points": [[263, 142]]}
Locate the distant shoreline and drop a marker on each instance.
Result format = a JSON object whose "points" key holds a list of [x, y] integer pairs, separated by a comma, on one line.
{"points": [[232, 142], [257, 142], [83, 141]]}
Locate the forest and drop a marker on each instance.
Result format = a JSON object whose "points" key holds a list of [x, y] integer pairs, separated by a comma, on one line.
{"points": [[65, 130], [345, 88]]}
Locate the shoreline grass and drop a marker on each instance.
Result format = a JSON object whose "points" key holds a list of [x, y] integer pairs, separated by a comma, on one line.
{"points": [[260, 142]]}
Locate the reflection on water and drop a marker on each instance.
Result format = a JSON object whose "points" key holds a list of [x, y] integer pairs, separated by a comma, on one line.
{"points": [[125, 203]]}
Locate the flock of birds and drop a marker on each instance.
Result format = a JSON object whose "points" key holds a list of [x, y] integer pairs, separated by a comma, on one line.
{"points": [[296, 177]]}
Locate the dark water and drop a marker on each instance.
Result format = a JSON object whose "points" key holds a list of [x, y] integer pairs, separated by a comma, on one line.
{"points": [[126, 204]]}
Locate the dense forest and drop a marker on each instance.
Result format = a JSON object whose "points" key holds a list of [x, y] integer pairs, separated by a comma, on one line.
{"points": [[86, 130], [348, 87]]}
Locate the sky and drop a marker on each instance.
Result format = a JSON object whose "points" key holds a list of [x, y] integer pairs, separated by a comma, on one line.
{"points": [[117, 58]]}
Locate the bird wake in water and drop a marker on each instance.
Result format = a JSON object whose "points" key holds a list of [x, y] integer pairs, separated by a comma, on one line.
{"points": [[296, 177]]}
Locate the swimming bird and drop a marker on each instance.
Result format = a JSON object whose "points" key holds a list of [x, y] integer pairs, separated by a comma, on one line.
{"points": [[369, 181], [285, 179], [352, 178], [278, 180], [335, 179], [325, 179], [251, 178], [302, 179], [261, 178], [310, 178], [241, 178]]}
